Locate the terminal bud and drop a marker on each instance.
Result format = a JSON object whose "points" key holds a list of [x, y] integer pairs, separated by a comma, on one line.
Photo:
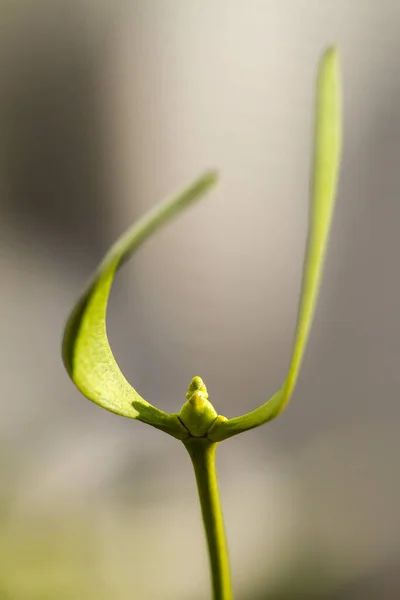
{"points": [[197, 414]]}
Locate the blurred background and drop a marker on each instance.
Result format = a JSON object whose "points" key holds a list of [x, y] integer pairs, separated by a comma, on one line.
{"points": [[106, 108]]}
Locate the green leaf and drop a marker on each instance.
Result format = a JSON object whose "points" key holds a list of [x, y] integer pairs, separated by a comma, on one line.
{"points": [[87, 355], [325, 175]]}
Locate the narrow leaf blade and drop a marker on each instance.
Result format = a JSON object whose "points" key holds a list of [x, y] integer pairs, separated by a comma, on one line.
{"points": [[327, 147], [86, 351], [324, 184]]}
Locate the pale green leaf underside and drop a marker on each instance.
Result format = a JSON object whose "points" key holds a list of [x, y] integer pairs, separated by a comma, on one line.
{"points": [[86, 351], [327, 147]]}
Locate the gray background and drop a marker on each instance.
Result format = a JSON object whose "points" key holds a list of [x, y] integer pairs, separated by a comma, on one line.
{"points": [[104, 110]]}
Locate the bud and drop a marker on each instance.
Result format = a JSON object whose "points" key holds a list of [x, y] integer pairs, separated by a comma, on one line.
{"points": [[197, 414]]}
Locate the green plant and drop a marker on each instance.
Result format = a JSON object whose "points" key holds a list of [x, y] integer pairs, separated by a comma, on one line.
{"points": [[91, 365]]}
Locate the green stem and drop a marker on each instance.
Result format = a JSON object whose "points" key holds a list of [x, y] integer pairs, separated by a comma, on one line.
{"points": [[202, 453]]}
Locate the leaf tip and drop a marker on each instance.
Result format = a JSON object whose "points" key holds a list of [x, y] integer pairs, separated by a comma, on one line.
{"points": [[330, 58], [210, 177]]}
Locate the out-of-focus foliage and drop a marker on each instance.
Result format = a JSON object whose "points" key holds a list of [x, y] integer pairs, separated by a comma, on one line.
{"points": [[43, 559]]}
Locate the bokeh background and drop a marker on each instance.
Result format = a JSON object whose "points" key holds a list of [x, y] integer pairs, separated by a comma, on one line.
{"points": [[105, 108]]}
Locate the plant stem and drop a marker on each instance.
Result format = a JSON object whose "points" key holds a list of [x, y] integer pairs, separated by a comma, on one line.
{"points": [[202, 453]]}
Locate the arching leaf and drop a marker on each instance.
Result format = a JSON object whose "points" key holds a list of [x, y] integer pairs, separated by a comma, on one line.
{"points": [[324, 183], [87, 355]]}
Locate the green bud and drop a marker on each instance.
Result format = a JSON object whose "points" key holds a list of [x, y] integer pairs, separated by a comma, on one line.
{"points": [[197, 385], [197, 414]]}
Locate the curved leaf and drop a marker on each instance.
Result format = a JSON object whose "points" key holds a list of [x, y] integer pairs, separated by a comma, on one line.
{"points": [[324, 184], [87, 355]]}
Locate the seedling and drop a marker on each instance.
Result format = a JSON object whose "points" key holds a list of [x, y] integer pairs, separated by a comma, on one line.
{"points": [[92, 367]]}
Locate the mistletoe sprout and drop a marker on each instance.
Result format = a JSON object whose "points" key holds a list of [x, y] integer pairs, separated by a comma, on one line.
{"points": [[92, 367]]}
